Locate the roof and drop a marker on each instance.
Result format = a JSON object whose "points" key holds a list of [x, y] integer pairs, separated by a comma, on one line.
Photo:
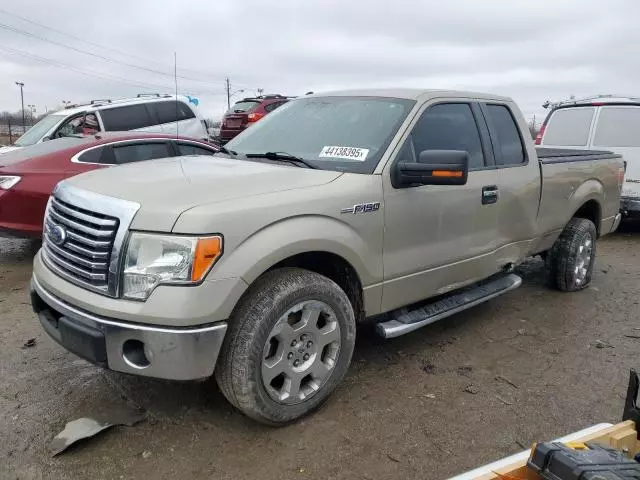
{"points": [[596, 99], [408, 93], [106, 103]]}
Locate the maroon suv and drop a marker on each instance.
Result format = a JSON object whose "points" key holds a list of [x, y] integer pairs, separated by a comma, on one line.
{"points": [[248, 111]]}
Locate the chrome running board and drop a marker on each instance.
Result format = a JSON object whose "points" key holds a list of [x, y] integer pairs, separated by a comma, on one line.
{"points": [[406, 321]]}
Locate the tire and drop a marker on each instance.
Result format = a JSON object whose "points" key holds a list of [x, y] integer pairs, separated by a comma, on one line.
{"points": [[258, 337], [565, 261]]}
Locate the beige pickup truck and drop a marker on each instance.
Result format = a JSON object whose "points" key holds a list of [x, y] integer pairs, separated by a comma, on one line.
{"points": [[257, 264]]}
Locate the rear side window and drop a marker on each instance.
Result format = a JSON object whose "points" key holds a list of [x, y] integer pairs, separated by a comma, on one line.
{"points": [[189, 149], [618, 127], [140, 151], [95, 155], [449, 126], [168, 112], [510, 149], [243, 107], [126, 118], [569, 127]]}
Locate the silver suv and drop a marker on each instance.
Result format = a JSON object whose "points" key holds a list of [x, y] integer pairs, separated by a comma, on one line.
{"points": [[145, 113]]}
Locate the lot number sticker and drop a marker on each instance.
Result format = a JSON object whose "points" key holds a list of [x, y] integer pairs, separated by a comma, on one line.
{"points": [[348, 153]]}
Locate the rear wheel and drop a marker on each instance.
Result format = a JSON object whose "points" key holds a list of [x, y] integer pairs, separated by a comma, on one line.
{"points": [[571, 260], [289, 344]]}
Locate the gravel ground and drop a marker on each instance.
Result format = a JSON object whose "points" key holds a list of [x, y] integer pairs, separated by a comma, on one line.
{"points": [[531, 365]]}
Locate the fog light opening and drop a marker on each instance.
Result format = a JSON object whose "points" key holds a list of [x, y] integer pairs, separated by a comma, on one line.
{"points": [[133, 354]]}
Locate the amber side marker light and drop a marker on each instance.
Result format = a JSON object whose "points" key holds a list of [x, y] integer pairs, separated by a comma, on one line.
{"points": [[446, 173], [208, 250]]}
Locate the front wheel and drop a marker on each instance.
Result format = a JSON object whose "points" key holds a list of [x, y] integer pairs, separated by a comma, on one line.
{"points": [[571, 260], [289, 344]]}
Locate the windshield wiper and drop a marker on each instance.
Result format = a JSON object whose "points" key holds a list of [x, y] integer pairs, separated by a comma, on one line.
{"points": [[282, 156], [222, 149]]}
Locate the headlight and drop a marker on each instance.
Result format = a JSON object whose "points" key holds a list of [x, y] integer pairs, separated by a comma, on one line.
{"points": [[154, 259], [8, 181]]}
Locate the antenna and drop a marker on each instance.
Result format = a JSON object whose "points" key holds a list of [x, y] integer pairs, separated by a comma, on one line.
{"points": [[175, 80]]}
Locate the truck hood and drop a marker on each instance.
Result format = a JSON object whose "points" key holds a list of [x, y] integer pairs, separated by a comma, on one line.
{"points": [[166, 188]]}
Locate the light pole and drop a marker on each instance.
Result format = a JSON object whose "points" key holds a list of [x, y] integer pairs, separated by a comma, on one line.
{"points": [[21, 85], [32, 111]]}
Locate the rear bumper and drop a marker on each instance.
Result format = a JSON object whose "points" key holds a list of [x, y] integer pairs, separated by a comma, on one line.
{"points": [[630, 206], [154, 351]]}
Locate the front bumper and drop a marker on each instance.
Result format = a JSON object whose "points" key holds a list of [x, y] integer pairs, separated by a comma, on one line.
{"points": [[630, 206], [154, 351]]}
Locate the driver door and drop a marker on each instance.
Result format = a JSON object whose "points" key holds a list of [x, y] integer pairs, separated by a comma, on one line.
{"points": [[440, 237]]}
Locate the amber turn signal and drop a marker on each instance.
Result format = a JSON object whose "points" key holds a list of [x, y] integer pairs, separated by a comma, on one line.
{"points": [[208, 250], [446, 173]]}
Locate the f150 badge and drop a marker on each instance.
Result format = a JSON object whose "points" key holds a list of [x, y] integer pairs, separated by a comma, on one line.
{"points": [[362, 208]]}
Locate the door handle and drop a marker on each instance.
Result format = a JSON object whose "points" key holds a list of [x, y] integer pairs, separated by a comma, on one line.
{"points": [[490, 195]]}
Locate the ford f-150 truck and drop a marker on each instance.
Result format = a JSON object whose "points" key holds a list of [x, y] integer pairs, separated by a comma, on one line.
{"points": [[256, 265]]}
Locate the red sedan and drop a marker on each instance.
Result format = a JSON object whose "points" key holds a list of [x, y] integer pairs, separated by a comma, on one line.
{"points": [[28, 175]]}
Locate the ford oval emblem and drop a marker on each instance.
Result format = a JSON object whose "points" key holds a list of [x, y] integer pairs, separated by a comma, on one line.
{"points": [[57, 235]]}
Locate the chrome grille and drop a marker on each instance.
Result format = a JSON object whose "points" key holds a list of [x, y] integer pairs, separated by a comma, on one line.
{"points": [[79, 242]]}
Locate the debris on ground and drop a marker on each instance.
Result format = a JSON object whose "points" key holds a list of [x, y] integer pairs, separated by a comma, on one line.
{"points": [[602, 344], [393, 458], [146, 454], [632, 336], [465, 370], [29, 343], [500, 378], [472, 389], [89, 426], [428, 367], [506, 402], [428, 395], [521, 331]]}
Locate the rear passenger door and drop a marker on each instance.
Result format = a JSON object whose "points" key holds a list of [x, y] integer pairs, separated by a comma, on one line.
{"points": [[439, 237], [518, 182], [130, 117]]}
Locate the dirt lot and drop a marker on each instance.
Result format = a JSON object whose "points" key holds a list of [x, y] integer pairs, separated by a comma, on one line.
{"points": [[402, 412]]}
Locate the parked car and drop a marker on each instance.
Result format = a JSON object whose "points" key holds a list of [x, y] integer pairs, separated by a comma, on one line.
{"points": [[246, 112], [604, 122], [402, 205], [28, 175], [146, 113]]}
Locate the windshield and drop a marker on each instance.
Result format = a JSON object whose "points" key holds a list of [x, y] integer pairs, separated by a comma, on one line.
{"points": [[39, 130], [333, 133]]}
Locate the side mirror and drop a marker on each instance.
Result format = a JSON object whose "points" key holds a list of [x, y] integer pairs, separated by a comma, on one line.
{"points": [[434, 167], [45, 138]]}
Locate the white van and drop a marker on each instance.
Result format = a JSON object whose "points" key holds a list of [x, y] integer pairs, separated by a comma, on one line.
{"points": [[605, 122], [146, 113]]}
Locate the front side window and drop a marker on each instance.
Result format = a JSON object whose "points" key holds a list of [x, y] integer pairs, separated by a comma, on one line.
{"points": [[334, 133], [509, 144], [569, 127], [618, 127], [446, 126], [121, 119], [190, 149], [140, 151]]}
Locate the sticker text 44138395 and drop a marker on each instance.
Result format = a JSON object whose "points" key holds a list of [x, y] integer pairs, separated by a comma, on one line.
{"points": [[347, 153]]}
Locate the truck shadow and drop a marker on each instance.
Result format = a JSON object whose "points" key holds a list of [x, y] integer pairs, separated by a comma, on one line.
{"points": [[17, 251]]}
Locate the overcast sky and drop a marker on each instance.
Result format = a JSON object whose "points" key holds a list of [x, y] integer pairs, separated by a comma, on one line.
{"points": [[531, 50]]}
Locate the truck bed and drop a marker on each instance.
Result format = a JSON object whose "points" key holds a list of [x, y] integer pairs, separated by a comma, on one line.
{"points": [[565, 185]]}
